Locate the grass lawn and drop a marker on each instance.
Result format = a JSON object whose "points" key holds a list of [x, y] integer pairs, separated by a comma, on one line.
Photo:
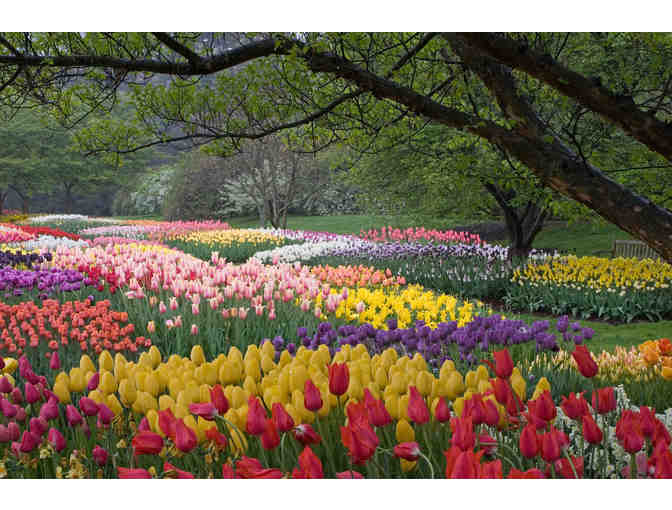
{"points": [[580, 238]]}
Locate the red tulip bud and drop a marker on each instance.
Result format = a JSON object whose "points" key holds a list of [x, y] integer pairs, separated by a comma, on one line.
{"points": [[206, 410], [339, 378], [32, 394], [56, 439], [93, 382], [5, 385], [73, 416], [585, 361], [503, 364], [409, 451], [283, 421], [99, 455], [219, 400], [55, 361], [591, 431], [418, 411], [312, 400], [88, 406], [185, 438]]}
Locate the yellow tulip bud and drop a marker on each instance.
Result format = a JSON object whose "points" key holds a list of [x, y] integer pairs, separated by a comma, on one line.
{"points": [[238, 443], [190, 422], [204, 393], [250, 385], [86, 365], [153, 420], [166, 402], [519, 386], [471, 379], [398, 382], [238, 397], [543, 385], [155, 356], [294, 413], [392, 406], [390, 355], [404, 432], [267, 364], [297, 377], [454, 385], [105, 362], [358, 351], [64, 379], [194, 391], [108, 383], [145, 362], [127, 392], [372, 387], [482, 373], [62, 392], [174, 360], [285, 359], [175, 386], [197, 356], [97, 396], [419, 362], [339, 357], [423, 383], [403, 407], [380, 377], [447, 367], [484, 386], [267, 349], [666, 373], [147, 401], [180, 411], [151, 385], [113, 403], [230, 372], [407, 465], [355, 389], [252, 369], [235, 354], [458, 406]]}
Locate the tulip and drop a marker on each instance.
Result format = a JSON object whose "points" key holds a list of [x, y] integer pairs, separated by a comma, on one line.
{"points": [[312, 399], [4, 434], [349, 475], [5, 385], [73, 416], [407, 451], [591, 432], [218, 399], [575, 406], [88, 406], [283, 421], [378, 414], [551, 449], [305, 434], [503, 364], [151, 327], [529, 442], [20, 414], [29, 441], [442, 411], [38, 426], [252, 469], [533, 473], [585, 361], [93, 382], [2, 363], [270, 439], [147, 443], [256, 417], [56, 439], [7, 408], [170, 471], [543, 407], [361, 442], [144, 426], [216, 437], [14, 431], [339, 378], [309, 464], [465, 466], [99, 455], [604, 400], [128, 473], [463, 433], [105, 415], [185, 438], [55, 361], [418, 411], [16, 396], [207, 410], [194, 329], [49, 410], [32, 393], [492, 469]]}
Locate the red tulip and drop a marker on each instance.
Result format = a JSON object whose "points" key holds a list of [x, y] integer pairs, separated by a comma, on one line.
{"points": [[167, 423], [305, 434], [502, 390], [219, 400], [488, 443], [5, 385], [32, 393], [14, 431], [591, 432], [7, 408], [270, 439], [417, 407], [147, 443], [463, 433], [492, 469], [49, 410], [16, 396], [529, 442], [491, 416], [216, 437], [128, 473], [38, 426], [144, 426], [56, 439], [378, 414], [575, 406], [2, 363], [361, 442], [409, 451], [503, 364], [73, 416], [543, 407], [251, 468], [564, 468], [647, 420], [663, 464], [105, 415], [349, 475], [185, 438], [89, 407], [309, 464], [93, 382], [474, 409], [584, 361], [312, 400], [4, 434], [55, 361], [358, 414], [604, 400], [629, 431], [206, 410], [533, 473], [466, 466], [442, 411], [339, 378], [29, 441], [551, 446], [99, 455], [283, 421], [256, 417], [169, 469]]}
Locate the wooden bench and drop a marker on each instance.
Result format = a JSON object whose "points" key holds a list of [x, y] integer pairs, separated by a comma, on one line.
{"points": [[636, 249]]}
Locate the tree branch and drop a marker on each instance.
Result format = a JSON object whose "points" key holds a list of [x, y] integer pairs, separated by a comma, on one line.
{"points": [[178, 47]]}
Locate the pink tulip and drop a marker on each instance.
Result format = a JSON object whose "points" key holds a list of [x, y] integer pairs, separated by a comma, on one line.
{"points": [[105, 415], [93, 382], [17, 396], [49, 410], [99, 455], [4, 434], [7, 408], [55, 361], [162, 307], [194, 309], [194, 329], [32, 393], [88, 406], [73, 416], [29, 442], [56, 439], [14, 431], [38, 426], [5, 385]]}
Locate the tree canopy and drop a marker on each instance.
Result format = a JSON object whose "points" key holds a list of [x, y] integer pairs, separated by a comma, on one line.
{"points": [[542, 99]]}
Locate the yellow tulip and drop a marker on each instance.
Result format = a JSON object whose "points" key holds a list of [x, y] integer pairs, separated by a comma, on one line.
{"points": [[419, 362], [297, 377], [204, 393], [165, 402], [108, 383], [381, 377], [294, 413], [471, 379], [454, 385], [482, 373], [190, 422], [403, 407], [519, 386], [105, 361], [230, 372], [404, 433], [355, 389], [113, 403], [197, 355], [250, 385], [423, 382], [86, 365], [484, 386], [407, 466], [398, 382], [447, 367], [127, 392], [285, 359], [147, 401], [64, 379], [10, 366], [267, 349], [145, 362], [666, 373], [267, 364], [458, 406], [151, 385], [62, 392], [77, 379], [175, 386], [97, 396], [252, 369], [238, 397], [155, 356], [153, 419]]}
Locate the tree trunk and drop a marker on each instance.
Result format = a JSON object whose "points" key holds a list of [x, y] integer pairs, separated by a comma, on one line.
{"points": [[3, 195], [69, 202], [522, 224]]}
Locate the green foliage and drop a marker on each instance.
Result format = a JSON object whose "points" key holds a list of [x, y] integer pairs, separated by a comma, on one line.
{"points": [[148, 193]]}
